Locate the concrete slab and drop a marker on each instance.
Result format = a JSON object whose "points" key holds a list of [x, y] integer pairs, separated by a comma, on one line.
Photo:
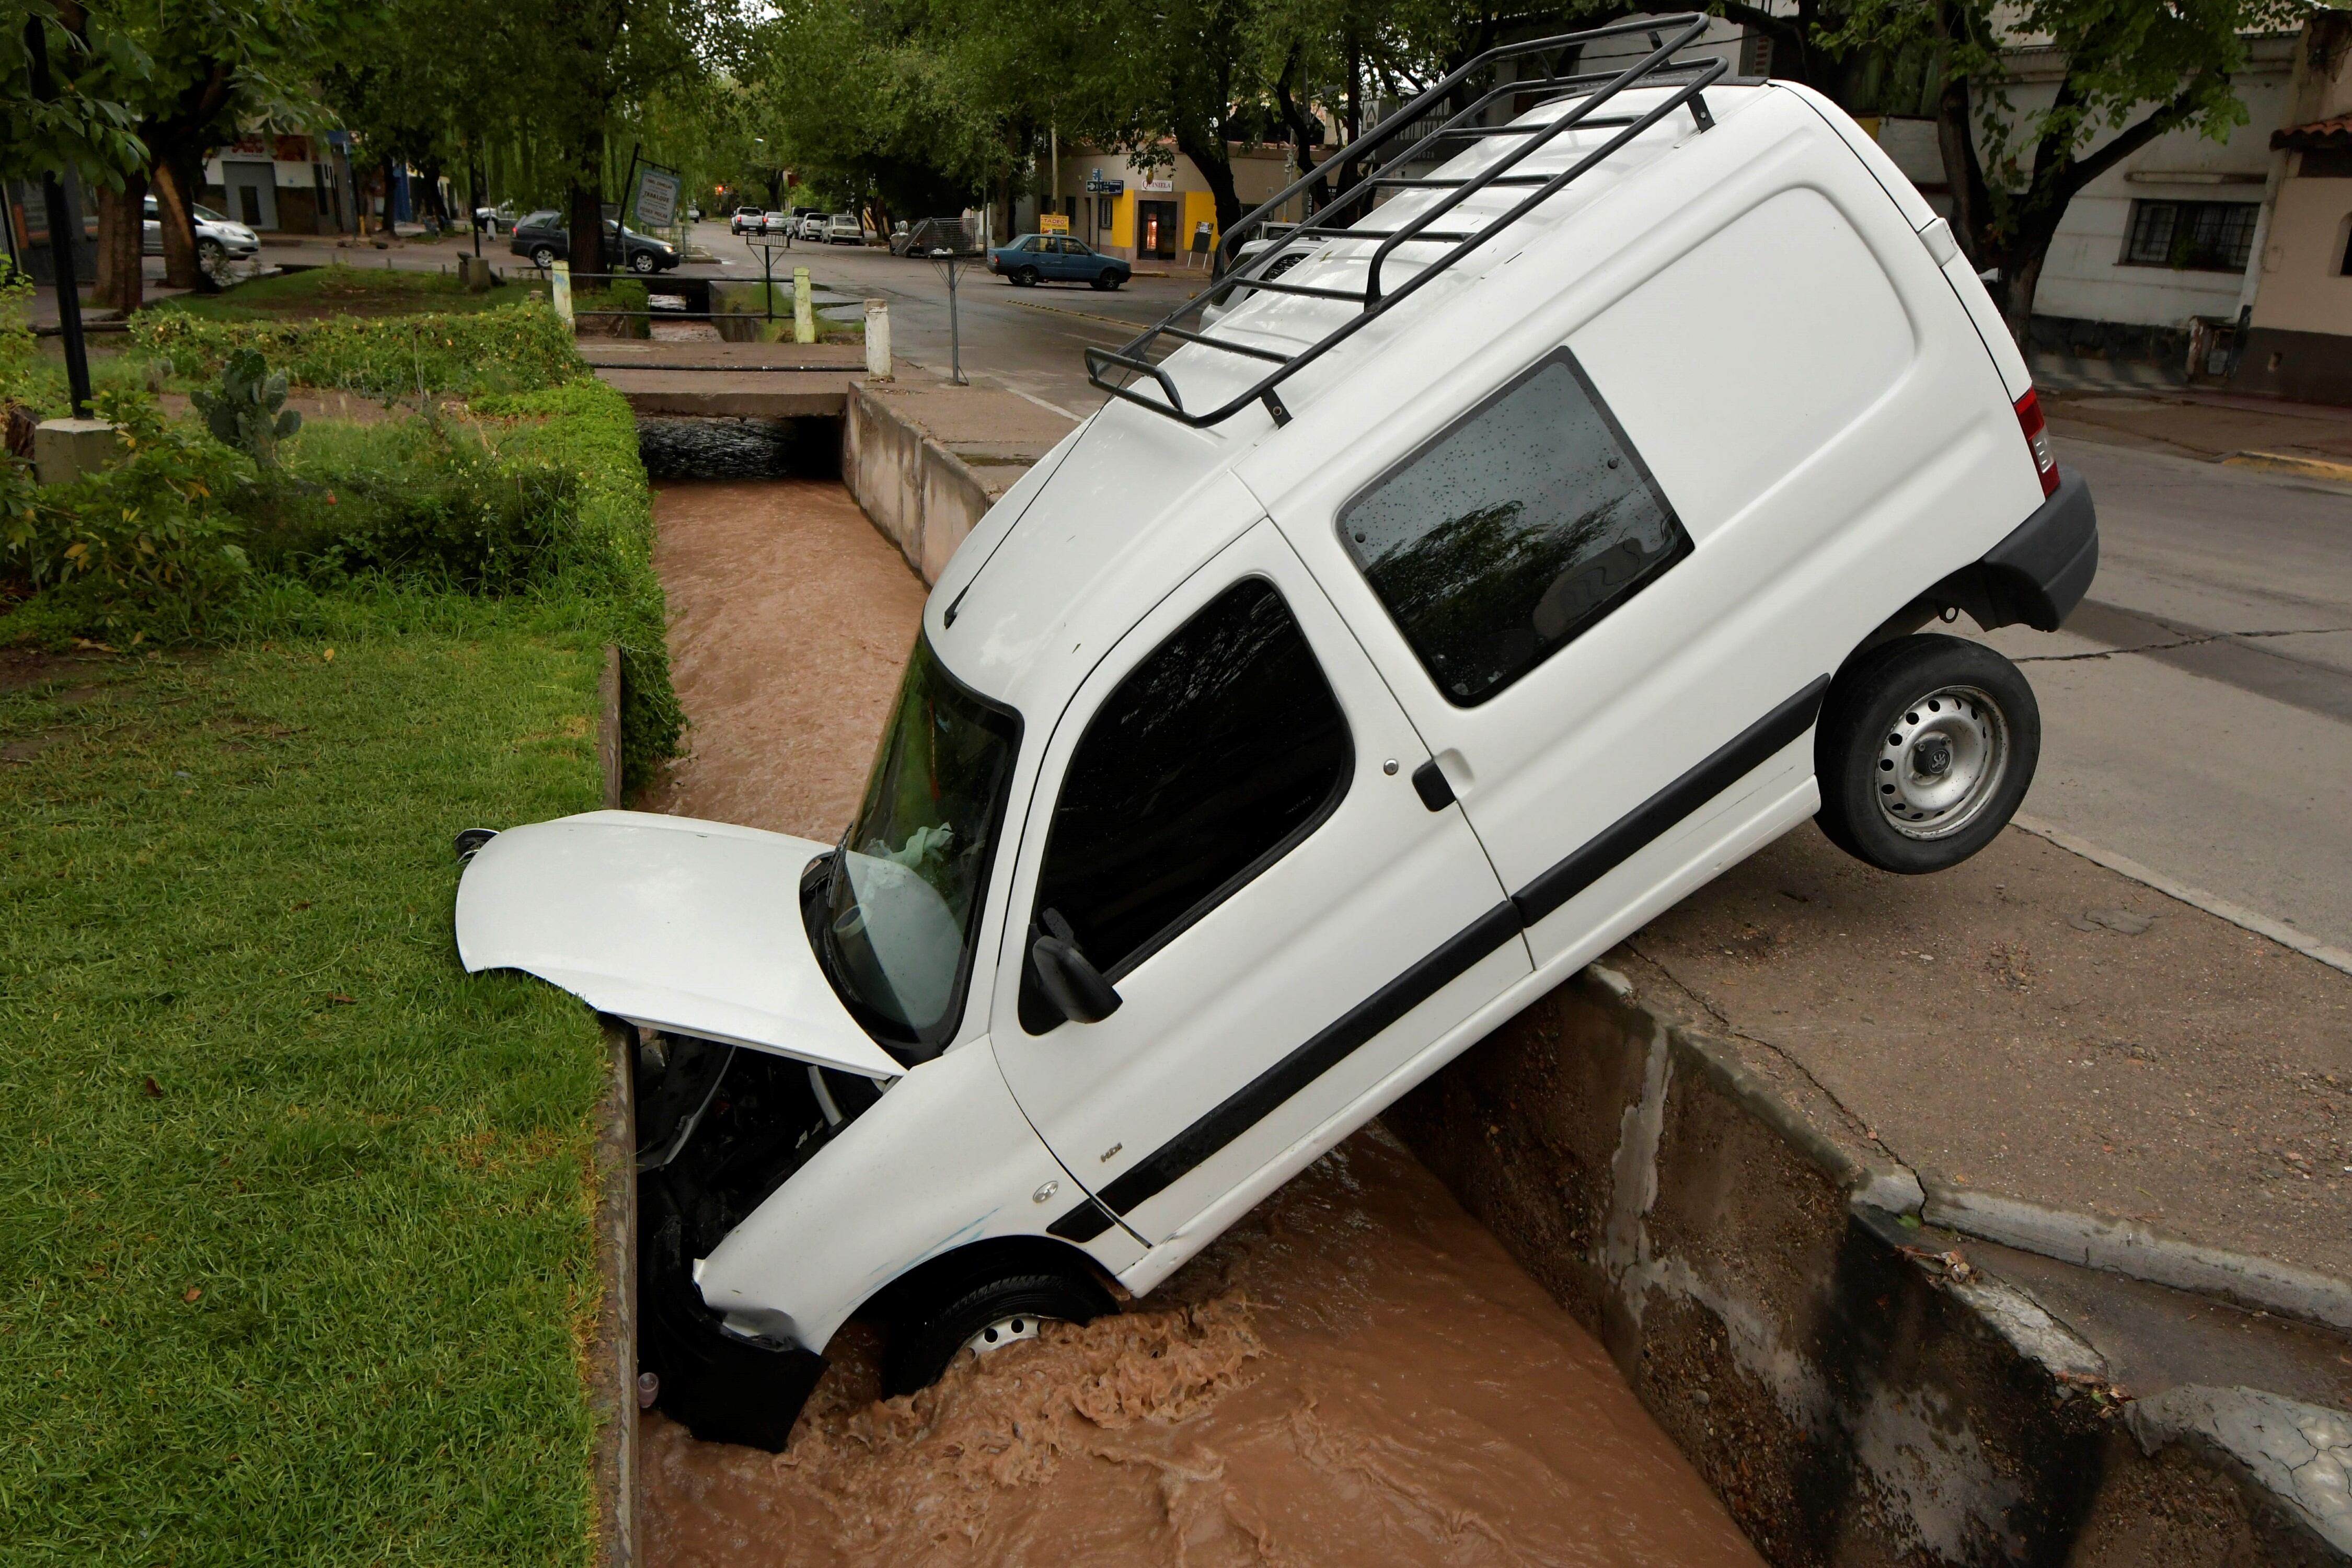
{"points": [[740, 394], [2001, 1025]]}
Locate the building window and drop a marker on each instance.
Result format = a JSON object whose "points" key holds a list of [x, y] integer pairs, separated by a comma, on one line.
{"points": [[2193, 237]]}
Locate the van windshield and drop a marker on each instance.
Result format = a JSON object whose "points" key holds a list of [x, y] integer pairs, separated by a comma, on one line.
{"points": [[903, 900]]}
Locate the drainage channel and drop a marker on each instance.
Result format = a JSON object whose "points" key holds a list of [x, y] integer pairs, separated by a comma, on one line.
{"points": [[1357, 1372]]}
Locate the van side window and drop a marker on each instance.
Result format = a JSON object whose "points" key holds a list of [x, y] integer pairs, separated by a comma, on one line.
{"points": [[1218, 753], [1506, 537]]}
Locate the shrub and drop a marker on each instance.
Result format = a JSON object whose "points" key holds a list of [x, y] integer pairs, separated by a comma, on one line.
{"points": [[152, 542], [248, 410], [511, 348]]}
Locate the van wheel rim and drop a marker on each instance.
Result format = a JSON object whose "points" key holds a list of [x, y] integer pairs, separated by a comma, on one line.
{"points": [[1004, 1331], [1941, 761]]}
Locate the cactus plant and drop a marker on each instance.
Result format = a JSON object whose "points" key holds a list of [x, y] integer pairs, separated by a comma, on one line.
{"points": [[248, 409]]}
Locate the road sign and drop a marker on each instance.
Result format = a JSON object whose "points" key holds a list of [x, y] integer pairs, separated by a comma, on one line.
{"points": [[657, 198]]}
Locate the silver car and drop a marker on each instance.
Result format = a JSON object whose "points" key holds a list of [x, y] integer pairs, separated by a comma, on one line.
{"points": [[220, 239]]}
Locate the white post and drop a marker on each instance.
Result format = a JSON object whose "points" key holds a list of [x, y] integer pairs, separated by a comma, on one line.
{"points": [[559, 289], [878, 340], [803, 309]]}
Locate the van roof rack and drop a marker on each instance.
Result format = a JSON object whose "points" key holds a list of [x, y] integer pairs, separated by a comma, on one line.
{"points": [[1406, 137]]}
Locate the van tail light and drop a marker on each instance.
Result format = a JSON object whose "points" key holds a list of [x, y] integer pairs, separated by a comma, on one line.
{"points": [[2037, 440]]}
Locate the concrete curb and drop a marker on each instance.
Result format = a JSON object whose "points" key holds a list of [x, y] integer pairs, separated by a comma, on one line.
{"points": [[612, 1365], [2298, 1454], [2196, 898], [2286, 463], [2127, 1247]]}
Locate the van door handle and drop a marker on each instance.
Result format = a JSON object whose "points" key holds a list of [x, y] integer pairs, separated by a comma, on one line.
{"points": [[1429, 783]]}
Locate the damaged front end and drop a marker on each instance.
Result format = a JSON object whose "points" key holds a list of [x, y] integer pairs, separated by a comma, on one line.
{"points": [[720, 1128], [747, 1061]]}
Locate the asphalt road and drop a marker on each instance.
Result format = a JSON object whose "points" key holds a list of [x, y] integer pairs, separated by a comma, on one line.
{"points": [[2197, 709]]}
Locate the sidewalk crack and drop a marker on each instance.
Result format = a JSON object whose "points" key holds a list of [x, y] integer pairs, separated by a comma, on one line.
{"points": [[2183, 642], [1855, 1125]]}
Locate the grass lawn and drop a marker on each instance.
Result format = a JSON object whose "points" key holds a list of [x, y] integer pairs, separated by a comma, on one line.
{"points": [[295, 1214], [347, 291]]}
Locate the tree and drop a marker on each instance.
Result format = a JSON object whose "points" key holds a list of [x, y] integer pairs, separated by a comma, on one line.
{"points": [[2134, 70], [64, 75]]}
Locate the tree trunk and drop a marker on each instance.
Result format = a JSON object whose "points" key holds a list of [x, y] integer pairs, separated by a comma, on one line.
{"points": [[1303, 128], [2021, 276], [1214, 157], [175, 203], [122, 243], [585, 204]]}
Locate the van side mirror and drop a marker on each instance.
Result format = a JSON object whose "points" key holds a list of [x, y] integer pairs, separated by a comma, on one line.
{"points": [[1073, 985]]}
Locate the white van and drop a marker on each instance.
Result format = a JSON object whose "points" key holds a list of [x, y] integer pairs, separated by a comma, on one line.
{"points": [[1472, 574]]}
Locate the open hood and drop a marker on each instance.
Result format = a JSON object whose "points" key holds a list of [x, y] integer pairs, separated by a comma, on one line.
{"points": [[674, 924]]}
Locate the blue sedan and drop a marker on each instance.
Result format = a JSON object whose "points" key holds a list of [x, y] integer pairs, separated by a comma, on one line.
{"points": [[1036, 258]]}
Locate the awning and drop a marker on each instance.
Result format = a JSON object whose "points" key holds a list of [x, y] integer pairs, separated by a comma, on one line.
{"points": [[2333, 135]]}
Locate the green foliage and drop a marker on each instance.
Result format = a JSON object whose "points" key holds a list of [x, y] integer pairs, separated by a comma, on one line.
{"points": [[248, 410], [298, 1215], [502, 350], [83, 122], [149, 542], [587, 431], [20, 350], [340, 290]]}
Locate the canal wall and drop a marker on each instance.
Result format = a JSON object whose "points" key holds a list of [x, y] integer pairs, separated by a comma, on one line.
{"points": [[1852, 1386]]}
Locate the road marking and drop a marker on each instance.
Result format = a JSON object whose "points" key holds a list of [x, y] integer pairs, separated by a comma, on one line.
{"points": [[2237, 914], [1041, 403]]}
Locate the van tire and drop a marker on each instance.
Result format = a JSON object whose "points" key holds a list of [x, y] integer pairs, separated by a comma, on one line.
{"points": [[926, 1340], [1923, 751]]}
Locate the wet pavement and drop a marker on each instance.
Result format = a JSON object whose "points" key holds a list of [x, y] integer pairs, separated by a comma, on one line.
{"points": [[1356, 1372]]}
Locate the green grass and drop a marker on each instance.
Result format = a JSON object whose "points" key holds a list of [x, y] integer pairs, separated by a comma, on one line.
{"points": [[342, 290], [295, 1214]]}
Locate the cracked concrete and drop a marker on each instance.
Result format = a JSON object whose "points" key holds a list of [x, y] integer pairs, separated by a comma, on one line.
{"points": [[2299, 1453]]}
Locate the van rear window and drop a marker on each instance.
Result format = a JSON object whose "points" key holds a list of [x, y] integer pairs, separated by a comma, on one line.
{"points": [[1501, 541]]}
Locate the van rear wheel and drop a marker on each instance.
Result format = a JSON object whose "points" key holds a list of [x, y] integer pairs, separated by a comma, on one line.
{"points": [[1924, 750], [982, 1316]]}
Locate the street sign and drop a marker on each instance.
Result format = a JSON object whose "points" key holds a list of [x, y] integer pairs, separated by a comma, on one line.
{"points": [[1098, 186], [657, 198], [1053, 223]]}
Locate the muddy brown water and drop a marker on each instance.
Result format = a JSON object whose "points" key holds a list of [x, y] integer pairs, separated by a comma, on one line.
{"points": [[1356, 1372]]}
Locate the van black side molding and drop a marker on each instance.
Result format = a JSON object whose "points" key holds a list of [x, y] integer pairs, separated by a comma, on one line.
{"points": [[1265, 1094]]}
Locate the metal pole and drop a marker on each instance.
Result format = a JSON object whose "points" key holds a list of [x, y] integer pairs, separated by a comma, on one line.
{"points": [[65, 225], [474, 178], [768, 278], [626, 180], [955, 334]]}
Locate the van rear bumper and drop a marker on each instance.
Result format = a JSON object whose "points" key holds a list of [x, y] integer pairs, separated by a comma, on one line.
{"points": [[2041, 572], [2035, 576]]}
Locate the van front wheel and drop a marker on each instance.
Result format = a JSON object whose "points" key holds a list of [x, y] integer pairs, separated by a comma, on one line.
{"points": [[983, 1316], [1924, 750]]}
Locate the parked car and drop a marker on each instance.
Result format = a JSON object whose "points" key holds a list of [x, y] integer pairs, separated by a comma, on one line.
{"points": [[844, 228], [1238, 782], [813, 224], [746, 220], [220, 239], [777, 224], [546, 238], [1036, 258], [491, 220]]}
